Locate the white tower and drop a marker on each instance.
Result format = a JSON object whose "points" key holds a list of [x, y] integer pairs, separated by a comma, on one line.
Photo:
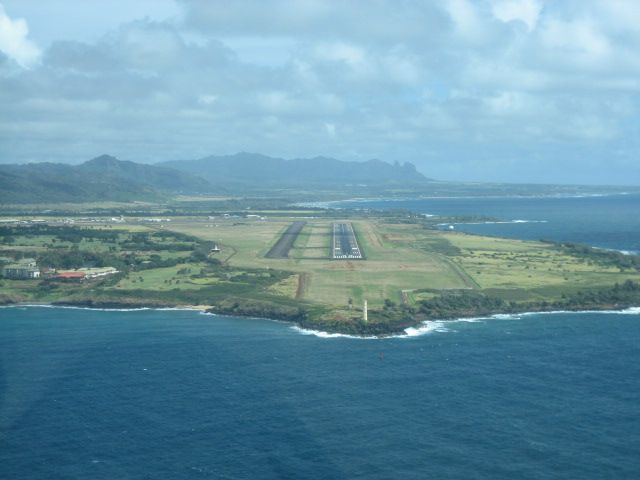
{"points": [[364, 312]]}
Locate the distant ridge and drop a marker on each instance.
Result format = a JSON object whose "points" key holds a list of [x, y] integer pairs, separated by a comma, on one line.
{"points": [[255, 170], [104, 178]]}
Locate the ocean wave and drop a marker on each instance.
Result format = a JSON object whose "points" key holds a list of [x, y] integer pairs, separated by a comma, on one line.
{"points": [[504, 316], [518, 316], [623, 252], [340, 204], [625, 311], [425, 328], [321, 334], [444, 326], [493, 222], [631, 311], [74, 307], [99, 309]]}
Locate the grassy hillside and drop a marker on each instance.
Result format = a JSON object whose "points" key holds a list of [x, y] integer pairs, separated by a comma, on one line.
{"points": [[104, 178]]}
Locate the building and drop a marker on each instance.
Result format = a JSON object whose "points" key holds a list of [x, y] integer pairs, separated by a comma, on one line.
{"points": [[71, 275], [20, 272], [82, 273], [98, 272], [22, 269], [27, 262]]}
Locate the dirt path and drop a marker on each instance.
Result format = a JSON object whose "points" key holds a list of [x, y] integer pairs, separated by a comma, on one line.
{"points": [[303, 283], [404, 295], [233, 252], [464, 276]]}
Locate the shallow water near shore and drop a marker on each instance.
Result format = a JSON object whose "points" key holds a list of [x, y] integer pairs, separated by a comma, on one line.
{"points": [[178, 394]]}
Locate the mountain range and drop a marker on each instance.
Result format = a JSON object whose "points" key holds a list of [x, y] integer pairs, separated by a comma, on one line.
{"points": [[253, 170], [101, 179], [106, 178]]}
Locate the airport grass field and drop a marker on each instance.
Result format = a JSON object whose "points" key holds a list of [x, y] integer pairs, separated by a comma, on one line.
{"points": [[286, 266], [407, 258]]}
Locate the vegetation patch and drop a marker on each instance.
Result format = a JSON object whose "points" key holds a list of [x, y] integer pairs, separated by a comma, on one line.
{"points": [[412, 273]]}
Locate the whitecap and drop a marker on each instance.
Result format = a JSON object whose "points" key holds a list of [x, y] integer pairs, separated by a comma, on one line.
{"points": [[322, 334], [623, 252], [442, 326], [425, 328], [506, 316], [471, 320], [625, 311], [75, 307], [99, 309]]}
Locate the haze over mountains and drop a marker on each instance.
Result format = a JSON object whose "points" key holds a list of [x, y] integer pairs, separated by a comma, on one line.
{"points": [[100, 179], [107, 178], [252, 169]]}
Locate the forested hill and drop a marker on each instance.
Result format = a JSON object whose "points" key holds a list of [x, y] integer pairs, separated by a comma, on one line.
{"points": [[255, 170], [102, 179]]}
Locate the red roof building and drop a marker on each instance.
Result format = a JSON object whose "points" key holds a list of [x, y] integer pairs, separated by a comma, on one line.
{"points": [[72, 275]]}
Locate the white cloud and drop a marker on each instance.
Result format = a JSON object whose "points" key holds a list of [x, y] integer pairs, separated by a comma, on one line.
{"points": [[276, 102], [331, 129], [579, 40], [207, 99], [465, 17], [403, 67], [425, 81], [508, 103], [526, 11], [14, 41], [309, 105], [352, 55]]}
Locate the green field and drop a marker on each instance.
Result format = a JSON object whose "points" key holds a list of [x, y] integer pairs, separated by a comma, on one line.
{"points": [[406, 264], [408, 257]]}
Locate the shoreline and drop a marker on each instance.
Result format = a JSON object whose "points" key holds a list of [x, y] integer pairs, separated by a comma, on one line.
{"points": [[420, 328], [326, 204], [109, 307]]}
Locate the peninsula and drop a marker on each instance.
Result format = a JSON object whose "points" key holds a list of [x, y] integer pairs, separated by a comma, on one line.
{"points": [[315, 267]]}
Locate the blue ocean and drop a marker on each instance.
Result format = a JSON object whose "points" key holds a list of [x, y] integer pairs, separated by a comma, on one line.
{"points": [[608, 221], [182, 395], [156, 394]]}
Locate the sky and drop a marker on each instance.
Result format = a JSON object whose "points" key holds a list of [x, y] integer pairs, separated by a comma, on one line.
{"points": [[484, 90]]}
